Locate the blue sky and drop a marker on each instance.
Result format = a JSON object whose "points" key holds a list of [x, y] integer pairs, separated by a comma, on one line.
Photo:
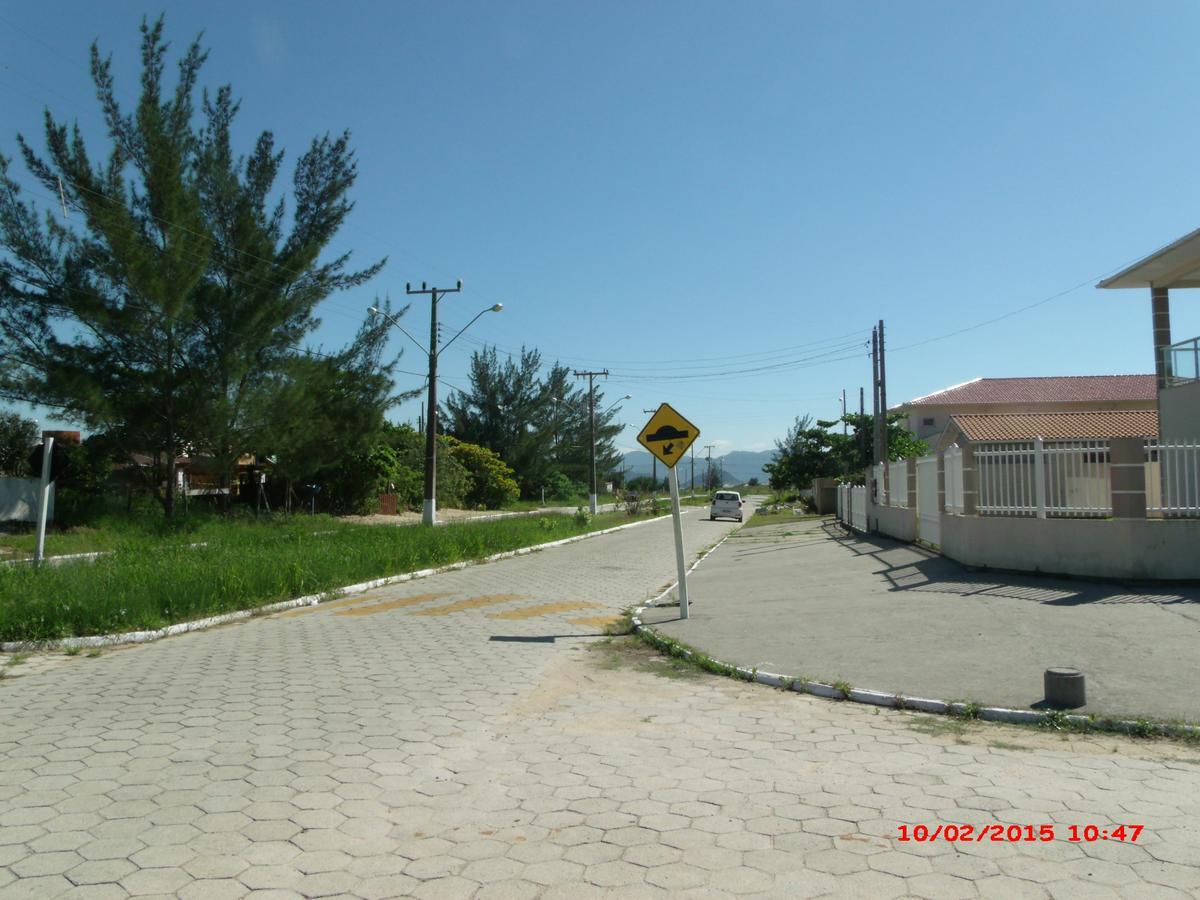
{"points": [[699, 189]]}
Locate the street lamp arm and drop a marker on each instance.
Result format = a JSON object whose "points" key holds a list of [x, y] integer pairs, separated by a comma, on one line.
{"points": [[496, 308], [606, 412], [376, 311]]}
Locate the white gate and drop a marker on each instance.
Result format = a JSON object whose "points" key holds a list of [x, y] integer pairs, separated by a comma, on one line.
{"points": [[929, 517]]}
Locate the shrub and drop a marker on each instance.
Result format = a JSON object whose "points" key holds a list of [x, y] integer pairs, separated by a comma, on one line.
{"points": [[492, 484]]}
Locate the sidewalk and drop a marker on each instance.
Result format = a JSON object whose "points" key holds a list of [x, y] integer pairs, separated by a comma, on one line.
{"points": [[804, 598]]}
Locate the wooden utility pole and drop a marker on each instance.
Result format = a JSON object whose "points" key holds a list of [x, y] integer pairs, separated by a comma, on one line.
{"points": [[708, 468], [591, 377]]}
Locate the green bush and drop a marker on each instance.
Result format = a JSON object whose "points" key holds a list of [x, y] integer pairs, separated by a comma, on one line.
{"points": [[492, 482]]}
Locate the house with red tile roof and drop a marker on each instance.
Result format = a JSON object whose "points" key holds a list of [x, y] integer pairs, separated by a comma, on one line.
{"points": [[1060, 407]]}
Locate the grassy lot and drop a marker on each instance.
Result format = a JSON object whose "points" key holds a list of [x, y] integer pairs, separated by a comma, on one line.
{"points": [[773, 516], [115, 531], [523, 505], [155, 579]]}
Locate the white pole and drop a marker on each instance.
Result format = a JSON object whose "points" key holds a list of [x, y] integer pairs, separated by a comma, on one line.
{"points": [[43, 500], [1039, 477], [679, 562]]}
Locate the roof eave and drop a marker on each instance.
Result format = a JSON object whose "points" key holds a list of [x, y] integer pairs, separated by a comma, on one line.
{"points": [[1176, 265]]}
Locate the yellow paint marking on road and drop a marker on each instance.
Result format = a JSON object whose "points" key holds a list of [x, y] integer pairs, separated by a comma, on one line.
{"points": [[470, 603], [596, 621], [543, 609], [349, 601], [399, 603]]}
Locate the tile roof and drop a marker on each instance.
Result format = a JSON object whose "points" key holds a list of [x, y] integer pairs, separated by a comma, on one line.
{"points": [[1058, 426], [1053, 389]]}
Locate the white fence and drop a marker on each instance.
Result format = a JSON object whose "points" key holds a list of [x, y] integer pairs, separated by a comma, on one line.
{"points": [[1036, 478], [1173, 478], [1042, 479], [898, 483], [19, 499], [852, 506], [929, 517], [858, 507], [954, 479]]}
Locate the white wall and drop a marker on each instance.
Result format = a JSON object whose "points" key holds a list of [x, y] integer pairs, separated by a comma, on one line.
{"points": [[1100, 548], [895, 521], [19, 499], [1179, 411]]}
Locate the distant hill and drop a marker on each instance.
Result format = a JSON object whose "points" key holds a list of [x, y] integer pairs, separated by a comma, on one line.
{"points": [[740, 466]]}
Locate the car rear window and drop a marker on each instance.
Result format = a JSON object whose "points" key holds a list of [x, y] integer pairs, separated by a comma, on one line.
{"points": [[726, 497]]}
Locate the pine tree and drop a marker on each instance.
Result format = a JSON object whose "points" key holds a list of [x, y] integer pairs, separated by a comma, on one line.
{"points": [[183, 294]]}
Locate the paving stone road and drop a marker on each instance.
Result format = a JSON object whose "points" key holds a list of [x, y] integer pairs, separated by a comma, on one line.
{"points": [[458, 736]]}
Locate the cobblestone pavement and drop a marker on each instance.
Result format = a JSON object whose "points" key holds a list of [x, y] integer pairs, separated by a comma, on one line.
{"points": [[463, 736]]}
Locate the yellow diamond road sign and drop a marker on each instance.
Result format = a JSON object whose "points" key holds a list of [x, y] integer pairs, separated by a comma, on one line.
{"points": [[668, 435]]}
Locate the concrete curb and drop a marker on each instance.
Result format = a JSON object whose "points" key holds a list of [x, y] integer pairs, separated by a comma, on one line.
{"points": [[955, 708], [141, 637]]}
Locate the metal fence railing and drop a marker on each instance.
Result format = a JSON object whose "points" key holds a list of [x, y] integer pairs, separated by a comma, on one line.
{"points": [[1044, 478], [1173, 478]]}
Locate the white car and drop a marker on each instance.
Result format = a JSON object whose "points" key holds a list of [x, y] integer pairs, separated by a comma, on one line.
{"points": [[726, 505]]}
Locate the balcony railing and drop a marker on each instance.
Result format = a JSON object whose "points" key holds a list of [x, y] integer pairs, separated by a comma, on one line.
{"points": [[1181, 361]]}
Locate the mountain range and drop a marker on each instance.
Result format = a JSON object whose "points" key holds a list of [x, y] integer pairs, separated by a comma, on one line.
{"points": [[739, 466]]}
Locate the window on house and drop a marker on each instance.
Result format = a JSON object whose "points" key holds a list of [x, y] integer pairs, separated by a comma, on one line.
{"points": [[927, 422]]}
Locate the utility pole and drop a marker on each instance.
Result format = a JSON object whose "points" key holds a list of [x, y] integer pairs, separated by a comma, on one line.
{"points": [[874, 396], [843, 412], [708, 468], [591, 377], [693, 491], [429, 509], [883, 424], [653, 462], [862, 431]]}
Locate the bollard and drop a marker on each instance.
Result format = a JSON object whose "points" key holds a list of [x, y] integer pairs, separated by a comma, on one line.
{"points": [[1065, 688]]}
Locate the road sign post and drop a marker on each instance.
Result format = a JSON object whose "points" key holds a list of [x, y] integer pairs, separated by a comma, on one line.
{"points": [[680, 565], [667, 436]]}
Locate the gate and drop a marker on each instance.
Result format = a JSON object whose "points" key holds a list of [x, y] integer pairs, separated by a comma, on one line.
{"points": [[929, 518]]}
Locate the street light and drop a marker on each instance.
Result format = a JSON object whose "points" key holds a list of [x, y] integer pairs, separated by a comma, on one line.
{"points": [[602, 415], [429, 509], [592, 499]]}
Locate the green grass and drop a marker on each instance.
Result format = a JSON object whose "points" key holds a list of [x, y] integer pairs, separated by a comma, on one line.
{"points": [[524, 505], [154, 579]]}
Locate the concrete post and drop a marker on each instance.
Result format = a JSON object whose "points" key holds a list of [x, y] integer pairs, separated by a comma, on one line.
{"points": [[970, 478], [941, 475], [1127, 477]]}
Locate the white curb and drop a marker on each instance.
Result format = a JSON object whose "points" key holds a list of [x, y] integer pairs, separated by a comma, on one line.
{"points": [[141, 637]]}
